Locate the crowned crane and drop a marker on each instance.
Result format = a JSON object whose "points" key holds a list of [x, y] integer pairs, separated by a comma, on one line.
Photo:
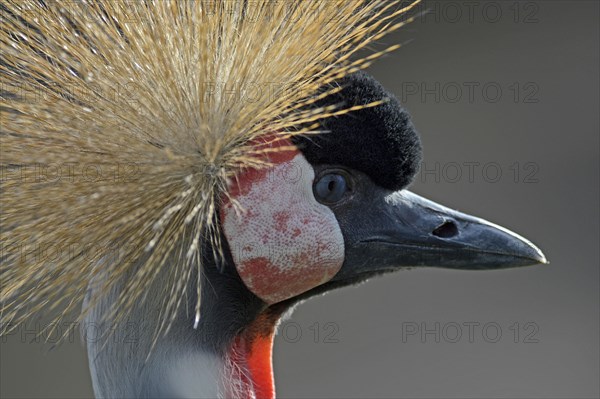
{"points": [[242, 209]]}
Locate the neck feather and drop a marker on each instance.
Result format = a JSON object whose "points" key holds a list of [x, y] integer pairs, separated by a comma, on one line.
{"points": [[228, 355]]}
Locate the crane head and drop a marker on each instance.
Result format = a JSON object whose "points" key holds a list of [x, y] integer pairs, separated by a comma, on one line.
{"points": [[334, 209]]}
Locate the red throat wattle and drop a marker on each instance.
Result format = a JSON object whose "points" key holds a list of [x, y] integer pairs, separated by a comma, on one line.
{"points": [[250, 355]]}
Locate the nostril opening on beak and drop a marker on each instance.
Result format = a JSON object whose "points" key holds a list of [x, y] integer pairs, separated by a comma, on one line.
{"points": [[446, 230]]}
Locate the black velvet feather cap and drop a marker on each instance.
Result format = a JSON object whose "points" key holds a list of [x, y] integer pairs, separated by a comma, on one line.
{"points": [[379, 141]]}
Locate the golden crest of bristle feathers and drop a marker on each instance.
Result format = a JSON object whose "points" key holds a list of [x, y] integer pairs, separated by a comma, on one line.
{"points": [[123, 121]]}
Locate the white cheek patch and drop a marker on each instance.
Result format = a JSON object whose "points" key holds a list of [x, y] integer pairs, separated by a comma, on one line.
{"points": [[285, 242]]}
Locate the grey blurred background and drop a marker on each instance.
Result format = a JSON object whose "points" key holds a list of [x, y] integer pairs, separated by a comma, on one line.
{"points": [[506, 97]]}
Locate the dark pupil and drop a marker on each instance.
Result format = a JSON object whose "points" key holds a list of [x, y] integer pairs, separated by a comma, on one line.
{"points": [[330, 188]]}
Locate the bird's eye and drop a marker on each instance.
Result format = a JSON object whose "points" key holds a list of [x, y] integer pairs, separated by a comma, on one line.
{"points": [[330, 188]]}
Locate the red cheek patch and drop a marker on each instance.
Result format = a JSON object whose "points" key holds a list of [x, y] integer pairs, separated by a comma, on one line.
{"points": [[285, 242]]}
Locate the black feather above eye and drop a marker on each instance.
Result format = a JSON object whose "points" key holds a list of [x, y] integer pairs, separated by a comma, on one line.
{"points": [[379, 141]]}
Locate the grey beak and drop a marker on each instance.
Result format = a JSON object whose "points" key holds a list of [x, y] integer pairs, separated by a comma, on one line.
{"points": [[404, 229]]}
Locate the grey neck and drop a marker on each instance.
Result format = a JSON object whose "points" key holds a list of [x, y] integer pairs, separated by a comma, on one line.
{"points": [[186, 362]]}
